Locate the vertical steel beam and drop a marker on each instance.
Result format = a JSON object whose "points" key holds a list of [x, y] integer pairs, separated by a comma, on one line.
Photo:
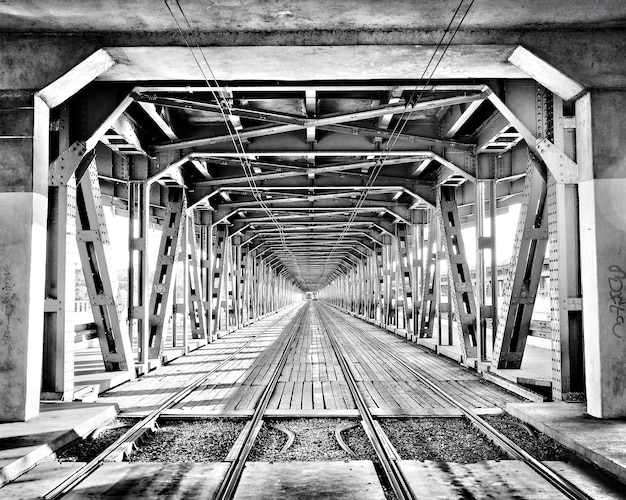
{"points": [[138, 287], [245, 284], [218, 278], [388, 281], [61, 256], [93, 244], [232, 318], [493, 210], [520, 288], [206, 269], [405, 277], [430, 287], [380, 283], [197, 315], [162, 289], [186, 283], [568, 380], [461, 288], [418, 276], [482, 243], [238, 266]]}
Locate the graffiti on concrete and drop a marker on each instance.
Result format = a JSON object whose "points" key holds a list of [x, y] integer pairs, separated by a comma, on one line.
{"points": [[617, 303], [8, 299]]}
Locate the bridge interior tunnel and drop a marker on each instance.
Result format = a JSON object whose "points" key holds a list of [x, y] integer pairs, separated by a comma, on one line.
{"points": [[247, 177]]}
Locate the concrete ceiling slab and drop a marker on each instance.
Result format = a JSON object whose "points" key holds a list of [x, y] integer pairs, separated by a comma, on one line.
{"points": [[360, 62], [277, 15]]}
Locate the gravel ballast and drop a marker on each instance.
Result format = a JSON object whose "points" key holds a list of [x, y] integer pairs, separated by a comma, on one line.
{"points": [[200, 441], [440, 440], [314, 440], [536, 443], [85, 450]]}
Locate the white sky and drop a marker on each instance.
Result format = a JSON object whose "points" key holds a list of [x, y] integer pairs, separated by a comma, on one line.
{"points": [[506, 226]]}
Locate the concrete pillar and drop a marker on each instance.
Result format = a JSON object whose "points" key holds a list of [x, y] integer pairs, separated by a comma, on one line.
{"points": [[601, 157], [24, 122]]}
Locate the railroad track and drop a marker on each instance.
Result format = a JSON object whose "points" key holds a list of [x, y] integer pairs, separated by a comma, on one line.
{"points": [[508, 446], [381, 444], [129, 438], [250, 432], [387, 456]]}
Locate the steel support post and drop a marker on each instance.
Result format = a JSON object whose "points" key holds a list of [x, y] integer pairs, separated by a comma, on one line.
{"points": [[185, 292], [403, 237], [493, 211], [61, 256], [568, 382], [370, 306], [521, 285], [93, 247], [482, 244], [238, 280], [431, 284], [162, 289], [460, 284], [196, 300], [388, 281], [231, 287], [531, 239], [218, 277], [380, 284], [206, 256], [396, 299], [138, 286], [255, 284], [245, 280], [418, 276]]}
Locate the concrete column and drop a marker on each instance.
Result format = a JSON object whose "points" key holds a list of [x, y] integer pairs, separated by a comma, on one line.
{"points": [[601, 157], [24, 122]]}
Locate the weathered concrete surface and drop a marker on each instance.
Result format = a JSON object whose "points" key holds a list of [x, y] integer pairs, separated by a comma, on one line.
{"points": [[39, 480], [497, 479], [603, 253], [23, 444], [603, 442], [486, 479], [356, 62], [22, 254], [23, 211], [356, 480], [593, 58], [212, 15], [152, 480]]}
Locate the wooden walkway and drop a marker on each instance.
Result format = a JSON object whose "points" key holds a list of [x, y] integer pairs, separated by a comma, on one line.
{"points": [[389, 388], [148, 392], [311, 382]]}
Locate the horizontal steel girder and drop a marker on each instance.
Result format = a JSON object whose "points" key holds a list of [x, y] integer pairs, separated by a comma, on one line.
{"points": [[299, 123]]}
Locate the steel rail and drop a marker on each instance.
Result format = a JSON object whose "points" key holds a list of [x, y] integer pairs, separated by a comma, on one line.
{"points": [[233, 474], [398, 482], [136, 430], [511, 448]]}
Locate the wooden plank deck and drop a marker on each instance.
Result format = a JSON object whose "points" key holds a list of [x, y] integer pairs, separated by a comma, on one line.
{"points": [[311, 381], [149, 391], [390, 386]]}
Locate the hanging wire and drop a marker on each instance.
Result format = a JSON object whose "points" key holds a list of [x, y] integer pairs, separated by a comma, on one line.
{"points": [[236, 139], [402, 122]]}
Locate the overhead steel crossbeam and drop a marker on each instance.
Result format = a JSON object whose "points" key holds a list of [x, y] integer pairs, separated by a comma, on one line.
{"points": [[290, 171], [290, 123], [397, 212]]}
